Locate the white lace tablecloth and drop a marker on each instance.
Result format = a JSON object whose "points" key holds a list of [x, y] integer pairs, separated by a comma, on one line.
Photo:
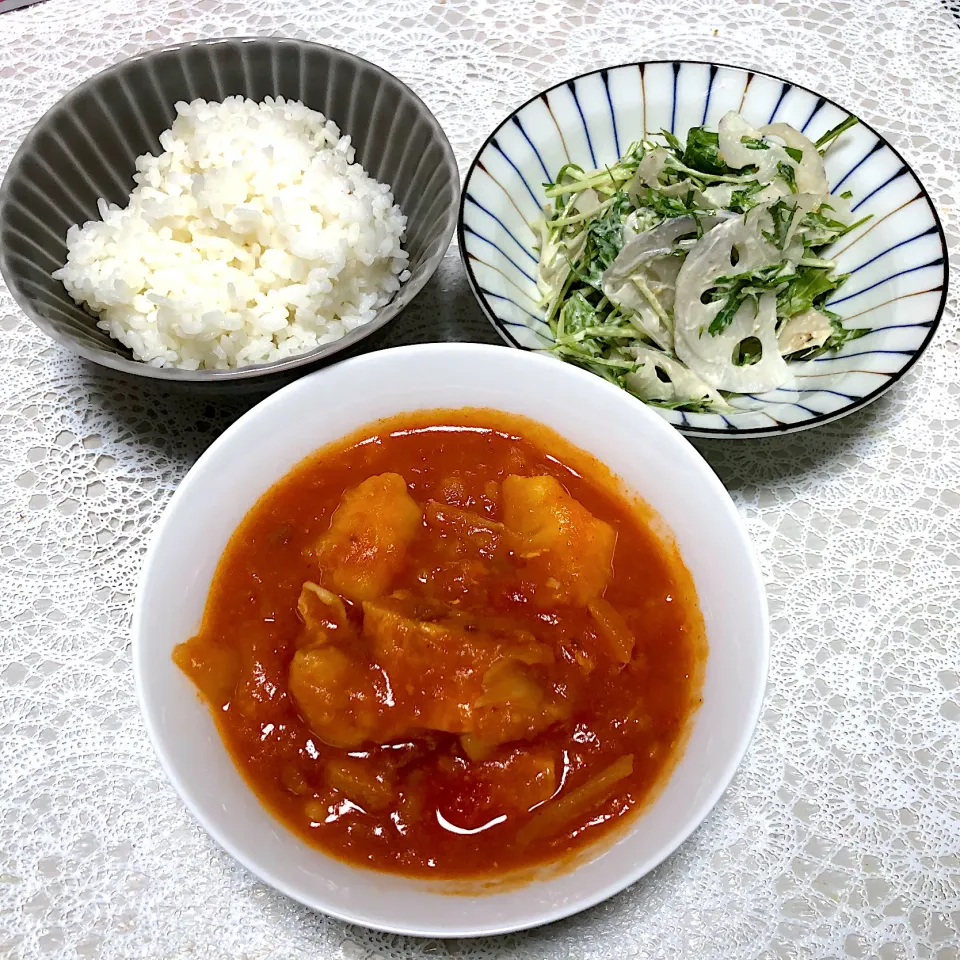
{"points": [[840, 836]]}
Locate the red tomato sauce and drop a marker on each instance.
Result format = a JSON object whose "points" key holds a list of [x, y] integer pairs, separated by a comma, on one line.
{"points": [[605, 689]]}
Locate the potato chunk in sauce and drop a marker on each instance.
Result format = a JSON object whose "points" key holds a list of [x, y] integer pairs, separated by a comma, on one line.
{"points": [[567, 550], [366, 545], [450, 646]]}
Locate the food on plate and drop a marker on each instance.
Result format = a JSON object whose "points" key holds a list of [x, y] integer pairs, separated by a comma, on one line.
{"points": [[686, 273], [450, 645], [254, 236]]}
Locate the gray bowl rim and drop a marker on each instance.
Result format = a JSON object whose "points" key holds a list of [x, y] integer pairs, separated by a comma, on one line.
{"points": [[174, 374], [710, 433]]}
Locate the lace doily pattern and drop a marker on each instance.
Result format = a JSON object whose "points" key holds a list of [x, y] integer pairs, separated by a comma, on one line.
{"points": [[840, 836]]}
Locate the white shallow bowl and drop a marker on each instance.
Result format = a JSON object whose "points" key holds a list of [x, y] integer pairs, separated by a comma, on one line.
{"points": [[653, 461]]}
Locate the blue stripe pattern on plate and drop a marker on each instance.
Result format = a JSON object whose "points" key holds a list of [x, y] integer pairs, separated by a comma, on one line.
{"points": [[897, 259]]}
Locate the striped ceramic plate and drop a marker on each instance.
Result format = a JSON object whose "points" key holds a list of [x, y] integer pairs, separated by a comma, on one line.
{"points": [[897, 260]]}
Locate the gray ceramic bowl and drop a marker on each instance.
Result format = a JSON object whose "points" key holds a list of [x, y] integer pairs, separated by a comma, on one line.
{"points": [[86, 146]]}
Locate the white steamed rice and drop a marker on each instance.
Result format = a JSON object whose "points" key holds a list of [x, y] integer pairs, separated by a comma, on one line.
{"points": [[253, 237]]}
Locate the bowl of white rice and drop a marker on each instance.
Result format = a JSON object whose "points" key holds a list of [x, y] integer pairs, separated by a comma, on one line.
{"points": [[225, 210]]}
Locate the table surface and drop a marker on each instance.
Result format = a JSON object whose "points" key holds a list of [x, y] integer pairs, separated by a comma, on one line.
{"points": [[839, 836]]}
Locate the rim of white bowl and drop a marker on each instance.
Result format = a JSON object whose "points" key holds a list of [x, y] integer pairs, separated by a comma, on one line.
{"points": [[684, 450], [716, 433]]}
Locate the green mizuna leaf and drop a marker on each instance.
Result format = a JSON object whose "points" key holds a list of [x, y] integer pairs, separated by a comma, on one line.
{"points": [[616, 321]]}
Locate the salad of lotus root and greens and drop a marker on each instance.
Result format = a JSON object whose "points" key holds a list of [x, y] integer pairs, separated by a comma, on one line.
{"points": [[685, 273]]}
